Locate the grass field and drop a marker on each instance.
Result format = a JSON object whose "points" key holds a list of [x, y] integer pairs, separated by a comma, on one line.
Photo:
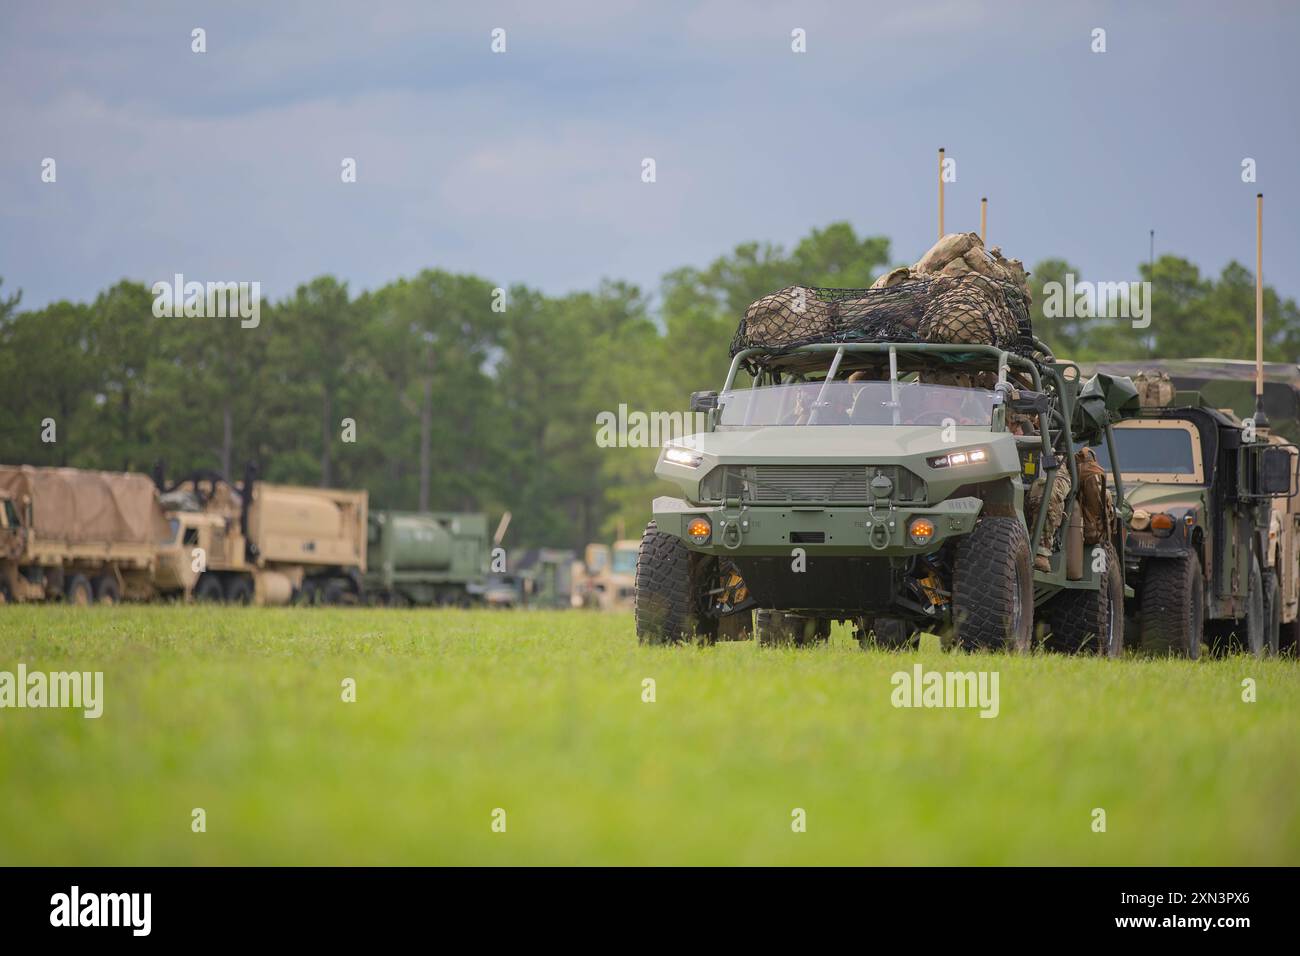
{"points": [[239, 712]]}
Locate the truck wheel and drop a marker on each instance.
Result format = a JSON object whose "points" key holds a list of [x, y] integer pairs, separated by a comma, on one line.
{"points": [[1250, 632], [239, 590], [1090, 620], [1173, 606], [334, 592], [993, 586], [1288, 635], [885, 633], [779, 629], [208, 590], [1272, 614], [664, 607], [78, 591], [106, 590]]}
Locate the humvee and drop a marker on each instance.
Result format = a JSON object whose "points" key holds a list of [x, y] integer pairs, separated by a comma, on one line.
{"points": [[1202, 539], [890, 502]]}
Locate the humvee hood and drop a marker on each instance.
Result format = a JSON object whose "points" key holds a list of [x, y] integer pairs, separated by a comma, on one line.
{"points": [[1155, 496]]}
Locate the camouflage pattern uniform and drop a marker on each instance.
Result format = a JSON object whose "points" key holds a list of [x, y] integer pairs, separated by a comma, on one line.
{"points": [[1055, 511]]}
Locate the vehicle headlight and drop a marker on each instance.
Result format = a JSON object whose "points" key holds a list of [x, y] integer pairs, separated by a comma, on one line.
{"points": [[1162, 524], [699, 530], [970, 456], [683, 456], [921, 531]]}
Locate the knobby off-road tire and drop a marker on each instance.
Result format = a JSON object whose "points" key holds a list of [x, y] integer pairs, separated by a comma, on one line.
{"points": [[664, 606], [779, 629], [1173, 606], [1091, 621], [993, 586]]}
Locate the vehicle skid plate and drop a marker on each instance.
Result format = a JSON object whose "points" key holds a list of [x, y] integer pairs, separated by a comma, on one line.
{"points": [[828, 529]]}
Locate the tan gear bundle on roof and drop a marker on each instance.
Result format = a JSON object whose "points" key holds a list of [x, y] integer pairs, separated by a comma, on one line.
{"points": [[88, 507], [958, 293], [1155, 389]]}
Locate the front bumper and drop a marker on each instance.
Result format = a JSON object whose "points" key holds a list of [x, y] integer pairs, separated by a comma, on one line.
{"points": [[820, 529]]}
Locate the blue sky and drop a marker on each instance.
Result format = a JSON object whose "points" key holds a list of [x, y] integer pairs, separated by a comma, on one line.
{"points": [[525, 167]]}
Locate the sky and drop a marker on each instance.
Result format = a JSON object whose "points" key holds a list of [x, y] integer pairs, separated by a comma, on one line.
{"points": [[526, 166]]}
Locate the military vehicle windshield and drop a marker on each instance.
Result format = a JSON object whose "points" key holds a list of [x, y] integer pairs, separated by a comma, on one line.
{"points": [[1152, 451], [856, 403], [624, 561]]}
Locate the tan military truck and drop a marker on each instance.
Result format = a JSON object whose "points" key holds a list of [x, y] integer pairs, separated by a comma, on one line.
{"points": [[269, 544], [84, 537], [606, 577]]}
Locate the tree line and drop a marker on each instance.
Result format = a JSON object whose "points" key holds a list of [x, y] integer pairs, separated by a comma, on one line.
{"points": [[464, 396]]}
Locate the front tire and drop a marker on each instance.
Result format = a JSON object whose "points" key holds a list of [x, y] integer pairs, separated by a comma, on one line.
{"points": [[664, 606], [993, 586], [1173, 606]]}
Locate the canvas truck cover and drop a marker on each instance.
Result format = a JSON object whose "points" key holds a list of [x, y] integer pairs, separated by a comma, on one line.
{"points": [[74, 507]]}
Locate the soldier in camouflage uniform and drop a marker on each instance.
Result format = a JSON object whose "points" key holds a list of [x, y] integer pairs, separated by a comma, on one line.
{"points": [[1055, 511]]}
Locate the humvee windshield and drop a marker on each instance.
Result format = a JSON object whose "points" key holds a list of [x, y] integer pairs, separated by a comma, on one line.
{"points": [[856, 403], [1151, 451], [624, 561]]}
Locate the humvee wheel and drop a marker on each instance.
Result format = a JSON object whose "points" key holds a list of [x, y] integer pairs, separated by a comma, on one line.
{"points": [[1250, 632], [993, 586], [1173, 606], [1272, 614], [664, 606], [1090, 620], [777, 628]]}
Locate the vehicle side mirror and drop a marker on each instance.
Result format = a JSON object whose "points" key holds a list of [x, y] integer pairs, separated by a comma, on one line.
{"points": [[1275, 472], [704, 401]]}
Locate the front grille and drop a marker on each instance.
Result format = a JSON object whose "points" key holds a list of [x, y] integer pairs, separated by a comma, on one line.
{"points": [[808, 484]]}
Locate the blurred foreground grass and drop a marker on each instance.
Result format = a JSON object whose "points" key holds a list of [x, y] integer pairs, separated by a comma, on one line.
{"points": [[238, 711]]}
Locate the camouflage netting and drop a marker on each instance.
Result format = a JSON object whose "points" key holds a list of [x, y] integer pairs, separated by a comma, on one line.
{"points": [[958, 293]]}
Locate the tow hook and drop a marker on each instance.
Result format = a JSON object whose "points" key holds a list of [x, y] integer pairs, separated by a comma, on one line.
{"points": [[732, 527]]}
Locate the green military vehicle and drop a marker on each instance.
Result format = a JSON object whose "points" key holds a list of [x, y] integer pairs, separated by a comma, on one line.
{"points": [[1210, 538], [885, 484], [427, 557]]}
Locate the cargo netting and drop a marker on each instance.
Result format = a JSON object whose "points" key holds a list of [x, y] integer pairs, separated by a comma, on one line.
{"points": [[967, 309]]}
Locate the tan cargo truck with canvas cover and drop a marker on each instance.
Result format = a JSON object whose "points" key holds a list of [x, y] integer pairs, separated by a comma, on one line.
{"points": [[261, 543], [84, 537]]}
